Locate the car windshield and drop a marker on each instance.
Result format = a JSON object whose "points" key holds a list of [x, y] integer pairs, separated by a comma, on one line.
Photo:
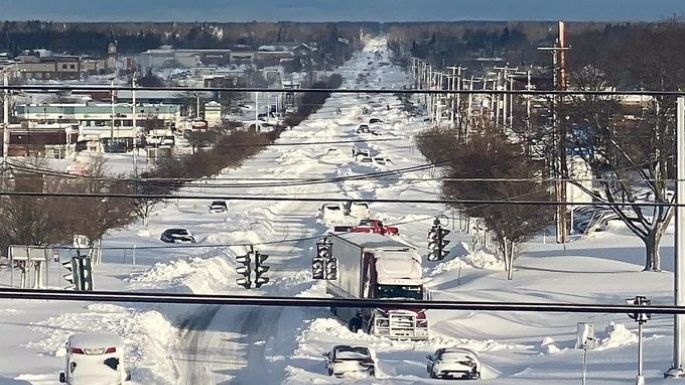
{"points": [[455, 357], [219, 203], [399, 291], [179, 232], [352, 353]]}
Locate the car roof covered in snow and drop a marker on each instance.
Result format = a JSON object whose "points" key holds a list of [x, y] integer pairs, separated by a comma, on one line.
{"points": [[459, 351], [95, 340], [351, 352]]}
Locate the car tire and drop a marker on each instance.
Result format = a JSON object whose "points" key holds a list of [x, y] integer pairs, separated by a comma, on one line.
{"points": [[372, 372], [431, 374], [330, 372]]}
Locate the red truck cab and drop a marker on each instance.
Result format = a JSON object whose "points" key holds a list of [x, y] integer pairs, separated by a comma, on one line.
{"points": [[374, 226]]}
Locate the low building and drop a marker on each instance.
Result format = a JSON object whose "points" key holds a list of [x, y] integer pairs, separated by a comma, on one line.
{"points": [[94, 120], [213, 114], [53, 140], [168, 57], [60, 67]]}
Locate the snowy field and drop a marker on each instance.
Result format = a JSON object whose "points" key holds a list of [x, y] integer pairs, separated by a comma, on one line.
{"points": [[250, 345]]}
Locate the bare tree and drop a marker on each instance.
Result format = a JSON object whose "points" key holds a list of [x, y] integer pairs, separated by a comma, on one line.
{"points": [[490, 155], [630, 151]]}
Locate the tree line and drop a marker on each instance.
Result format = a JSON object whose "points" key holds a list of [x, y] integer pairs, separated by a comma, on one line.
{"points": [[94, 38]]}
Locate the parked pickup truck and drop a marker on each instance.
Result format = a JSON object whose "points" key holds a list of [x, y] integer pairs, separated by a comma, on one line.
{"points": [[368, 226]]}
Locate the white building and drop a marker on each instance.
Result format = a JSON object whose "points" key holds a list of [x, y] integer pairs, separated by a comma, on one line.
{"points": [[213, 114], [95, 119]]}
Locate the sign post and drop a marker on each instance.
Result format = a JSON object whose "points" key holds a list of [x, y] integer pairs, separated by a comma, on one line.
{"points": [[585, 340]]}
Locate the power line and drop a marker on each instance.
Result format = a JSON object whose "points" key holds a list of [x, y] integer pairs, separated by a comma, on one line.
{"points": [[57, 88], [324, 302], [190, 182], [239, 244], [267, 198]]}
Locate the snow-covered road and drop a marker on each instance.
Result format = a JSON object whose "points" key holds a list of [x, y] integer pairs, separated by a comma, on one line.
{"points": [[250, 345]]}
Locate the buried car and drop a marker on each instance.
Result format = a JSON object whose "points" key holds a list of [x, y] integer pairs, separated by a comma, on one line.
{"points": [[95, 359], [454, 363], [218, 207], [177, 236], [344, 360]]}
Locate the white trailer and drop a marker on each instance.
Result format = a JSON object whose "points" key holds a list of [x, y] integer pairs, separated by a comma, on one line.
{"points": [[374, 266]]}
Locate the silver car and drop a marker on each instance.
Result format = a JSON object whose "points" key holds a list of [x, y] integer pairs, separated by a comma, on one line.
{"points": [[454, 363], [343, 360]]}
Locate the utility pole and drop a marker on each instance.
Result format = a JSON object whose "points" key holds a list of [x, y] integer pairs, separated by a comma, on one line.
{"points": [[506, 105], [676, 369], [456, 86], [529, 87], [111, 128], [560, 164], [135, 128], [256, 109], [5, 118]]}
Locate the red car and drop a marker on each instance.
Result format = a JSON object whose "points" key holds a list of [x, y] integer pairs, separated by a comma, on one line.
{"points": [[368, 226]]}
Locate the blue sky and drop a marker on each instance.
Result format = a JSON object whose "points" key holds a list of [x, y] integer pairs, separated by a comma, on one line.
{"points": [[335, 10]]}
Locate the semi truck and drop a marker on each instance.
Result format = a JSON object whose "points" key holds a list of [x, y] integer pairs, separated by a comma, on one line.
{"points": [[373, 266]]}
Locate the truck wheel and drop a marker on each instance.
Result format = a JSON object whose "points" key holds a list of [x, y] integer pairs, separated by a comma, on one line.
{"points": [[354, 325]]}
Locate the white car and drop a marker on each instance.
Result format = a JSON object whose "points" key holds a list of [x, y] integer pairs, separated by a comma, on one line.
{"points": [[381, 161], [454, 363], [345, 360], [358, 210], [333, 212], [359, 150], [95, 359]]}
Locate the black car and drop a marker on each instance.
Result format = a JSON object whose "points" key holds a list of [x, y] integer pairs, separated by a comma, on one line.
{"points": [[177, 236], [218, 207], [363, 128]]}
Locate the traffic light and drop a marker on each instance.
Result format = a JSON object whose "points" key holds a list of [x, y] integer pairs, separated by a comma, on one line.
{"points": [[332, 269], [433, 243], [244, 270], [86, 276], [442, 243], [72, 275], [260, 269], [318, 268], [321, 264], [437, 243]]}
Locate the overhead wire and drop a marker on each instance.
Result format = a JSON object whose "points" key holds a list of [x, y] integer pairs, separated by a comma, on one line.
{"points": [[327, 302]]}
